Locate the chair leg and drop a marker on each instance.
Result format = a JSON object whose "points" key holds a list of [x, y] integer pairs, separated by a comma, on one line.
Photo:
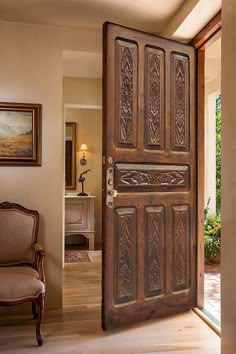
{"points": [[34, 310], [39, 312]]}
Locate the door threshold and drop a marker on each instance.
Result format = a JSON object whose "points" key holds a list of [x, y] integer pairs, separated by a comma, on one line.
{"points": [[208, 321]]}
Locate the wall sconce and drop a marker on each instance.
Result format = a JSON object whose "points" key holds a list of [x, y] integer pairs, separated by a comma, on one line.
{"points": [[83, 148]]}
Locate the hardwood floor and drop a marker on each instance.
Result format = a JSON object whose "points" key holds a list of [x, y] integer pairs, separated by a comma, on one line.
{"points": [[76, 328]]}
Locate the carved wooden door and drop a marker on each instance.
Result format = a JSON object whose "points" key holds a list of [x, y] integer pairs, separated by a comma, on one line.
{"points": [[149, 214]]}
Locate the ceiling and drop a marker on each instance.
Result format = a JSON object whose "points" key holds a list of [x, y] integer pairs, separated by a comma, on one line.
{"points": [[200, 15], [155, 16], [146, 15]]}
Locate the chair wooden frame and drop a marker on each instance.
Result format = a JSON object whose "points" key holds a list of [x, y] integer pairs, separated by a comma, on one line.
{"points": [[37, 264]]}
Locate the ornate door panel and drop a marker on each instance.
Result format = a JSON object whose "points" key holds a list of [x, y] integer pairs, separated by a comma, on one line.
{"points": [[149, 201]]}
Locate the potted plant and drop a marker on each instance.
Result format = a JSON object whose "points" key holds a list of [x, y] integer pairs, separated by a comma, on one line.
{"points": [[212, 236]]}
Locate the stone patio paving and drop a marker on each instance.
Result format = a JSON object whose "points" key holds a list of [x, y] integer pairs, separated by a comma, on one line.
{"points": [[212, 305]]}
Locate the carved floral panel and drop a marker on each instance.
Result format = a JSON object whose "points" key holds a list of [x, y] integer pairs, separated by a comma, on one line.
{"points": [[152, 177], [180, 102], [126, 93], [154, 263], [181, 247], [126, 254], [154, 98]]}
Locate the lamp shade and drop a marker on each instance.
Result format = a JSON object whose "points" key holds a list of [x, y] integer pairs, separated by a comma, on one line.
{"points": [[83, 147]]}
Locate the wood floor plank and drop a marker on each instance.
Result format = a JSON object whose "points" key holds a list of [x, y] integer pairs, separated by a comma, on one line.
{"points": [[77, 327]]}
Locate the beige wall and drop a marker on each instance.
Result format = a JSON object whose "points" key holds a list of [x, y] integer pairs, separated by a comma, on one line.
{"points": [[228, 177], [31, 71], [82, 91], [89, 131], [210, 153], [212, 90]]}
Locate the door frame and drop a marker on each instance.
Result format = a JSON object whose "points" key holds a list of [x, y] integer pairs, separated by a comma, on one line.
{"points": [[209, 34]]}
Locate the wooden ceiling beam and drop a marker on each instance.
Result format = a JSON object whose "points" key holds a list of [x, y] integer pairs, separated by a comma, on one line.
{"points": [[211, 29], [178, 18]]}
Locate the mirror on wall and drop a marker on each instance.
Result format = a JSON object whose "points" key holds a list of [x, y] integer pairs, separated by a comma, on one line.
{"points": [[70, 156]]}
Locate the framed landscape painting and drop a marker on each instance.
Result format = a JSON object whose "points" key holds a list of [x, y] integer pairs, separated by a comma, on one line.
{"points": [[20, 134]]}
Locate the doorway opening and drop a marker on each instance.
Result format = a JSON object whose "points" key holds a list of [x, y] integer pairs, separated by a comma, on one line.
{"points": [[212, 182], [120, 143], [82, 98], [208, 45]]}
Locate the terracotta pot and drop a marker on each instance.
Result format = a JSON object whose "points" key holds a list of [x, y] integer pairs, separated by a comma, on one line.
{"points": [[214, 260]]}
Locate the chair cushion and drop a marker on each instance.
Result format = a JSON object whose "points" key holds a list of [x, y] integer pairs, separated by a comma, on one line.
{"points": [[17, 230], [19, 283]]}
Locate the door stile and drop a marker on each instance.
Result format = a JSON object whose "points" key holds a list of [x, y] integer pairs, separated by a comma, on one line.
{"points": [[107, 249], [193, 174]]}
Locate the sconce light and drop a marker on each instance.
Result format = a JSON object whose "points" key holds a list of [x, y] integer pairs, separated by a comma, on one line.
{"points": [[83, 148]]}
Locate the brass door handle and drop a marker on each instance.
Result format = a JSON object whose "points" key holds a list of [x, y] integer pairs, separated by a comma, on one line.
{"points": [[113, 193], [110, 192]]}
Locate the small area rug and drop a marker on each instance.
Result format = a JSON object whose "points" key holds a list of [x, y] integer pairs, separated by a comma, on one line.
{"points": [[73, 256]]}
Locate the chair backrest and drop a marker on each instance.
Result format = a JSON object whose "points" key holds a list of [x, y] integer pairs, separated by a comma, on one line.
{"points": [[18, 233]]}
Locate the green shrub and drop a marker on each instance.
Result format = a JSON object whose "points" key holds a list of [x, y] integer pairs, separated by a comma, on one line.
{"points": [[212, 233]]}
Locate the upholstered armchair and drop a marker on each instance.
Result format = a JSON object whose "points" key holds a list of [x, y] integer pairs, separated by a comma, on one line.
{"points": [[21, 261]]}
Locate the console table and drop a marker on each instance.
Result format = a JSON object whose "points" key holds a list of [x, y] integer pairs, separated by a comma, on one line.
{"points": [[79, 217]]}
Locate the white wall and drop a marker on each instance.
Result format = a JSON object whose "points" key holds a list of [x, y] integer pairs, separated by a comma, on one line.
{"points": [[228, 249], [31, 71]]}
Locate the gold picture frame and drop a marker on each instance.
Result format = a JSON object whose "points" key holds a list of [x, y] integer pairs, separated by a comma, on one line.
{"points": [[20, 134]]}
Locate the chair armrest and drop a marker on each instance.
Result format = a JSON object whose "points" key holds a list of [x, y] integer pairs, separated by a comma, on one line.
{"points": [[39, 259]]}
